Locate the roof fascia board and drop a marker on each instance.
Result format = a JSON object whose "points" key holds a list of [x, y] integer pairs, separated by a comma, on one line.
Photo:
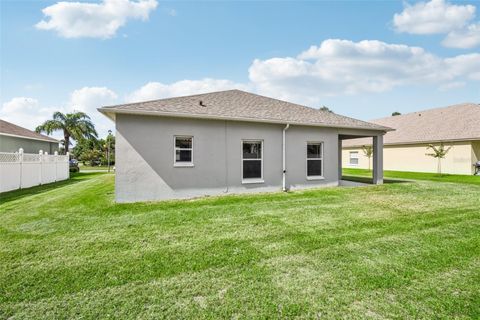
{"points": [[416, 142]]}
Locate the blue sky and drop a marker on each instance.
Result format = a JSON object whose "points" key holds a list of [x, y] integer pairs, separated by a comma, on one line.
{"points": [[366, 62]]}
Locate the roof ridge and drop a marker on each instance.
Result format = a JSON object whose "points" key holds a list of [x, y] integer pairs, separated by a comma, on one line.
{"points": [[252, 106], [427, 110], [212, 92], [311, 108], [250, 93], [169, 98], [457, 122]]}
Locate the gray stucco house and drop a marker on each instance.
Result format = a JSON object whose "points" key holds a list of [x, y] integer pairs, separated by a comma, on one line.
{"points": [[229, 142], [13, 137]]}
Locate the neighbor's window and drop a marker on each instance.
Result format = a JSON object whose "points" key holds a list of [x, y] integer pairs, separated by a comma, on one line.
{"points": [[314, 160], [353, 158], [183, 151], [252, 161]]}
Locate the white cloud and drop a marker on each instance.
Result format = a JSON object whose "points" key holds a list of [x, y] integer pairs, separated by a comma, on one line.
{"points": [[25, 112], [440, 17], [28, 112], [345, 67], [20, 103], [157, 90], [93, 20], [88, 99], [435, 16], [465, 38], [335, 67], [465, 66]]}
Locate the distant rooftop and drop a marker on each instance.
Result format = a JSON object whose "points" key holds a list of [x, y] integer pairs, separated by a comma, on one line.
{"points": [[241, 106], [10, 129], [454, 123]]}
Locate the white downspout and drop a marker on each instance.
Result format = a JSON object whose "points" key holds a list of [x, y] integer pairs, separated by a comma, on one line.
{"points": [[284, 186]]}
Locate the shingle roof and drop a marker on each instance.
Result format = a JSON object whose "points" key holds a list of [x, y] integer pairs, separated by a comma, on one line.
{"points": [[8, 128], [454, 123], [241, 105]]}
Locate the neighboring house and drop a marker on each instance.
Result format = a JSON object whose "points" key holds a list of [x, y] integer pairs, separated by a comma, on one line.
{"points": [[405, 148], [13, 137], [228, 142]]}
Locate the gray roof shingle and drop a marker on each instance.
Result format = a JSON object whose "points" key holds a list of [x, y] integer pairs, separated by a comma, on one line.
{"points": [[454, 123], [241, 105], [9, 128]]}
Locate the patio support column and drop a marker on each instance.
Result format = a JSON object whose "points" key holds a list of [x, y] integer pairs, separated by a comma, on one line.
{"points": [[339, 159], [378, 159]]}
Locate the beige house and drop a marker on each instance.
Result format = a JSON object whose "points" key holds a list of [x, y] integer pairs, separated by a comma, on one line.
{"points": [[405, 148]]}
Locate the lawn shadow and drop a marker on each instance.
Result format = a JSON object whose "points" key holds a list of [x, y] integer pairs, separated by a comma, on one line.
{"points": [[368, 180], [13, 195]]}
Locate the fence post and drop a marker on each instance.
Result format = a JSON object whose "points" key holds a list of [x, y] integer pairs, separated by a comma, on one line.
{"points": [[45, 159], [20, 159], [68, 165], [55, 157], [40, 155]]}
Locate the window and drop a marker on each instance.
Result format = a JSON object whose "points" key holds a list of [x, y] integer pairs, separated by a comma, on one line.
{"points": [[314, 160], [252, 161], [353, 158], [183, 151]]}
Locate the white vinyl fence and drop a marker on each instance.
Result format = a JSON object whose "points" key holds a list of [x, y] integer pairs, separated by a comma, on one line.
{"points": [[20, 170]]}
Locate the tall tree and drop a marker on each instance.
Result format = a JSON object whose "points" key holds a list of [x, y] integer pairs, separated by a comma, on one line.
{"points": [[368, 151], [109, 148], [84, 145], [75, 126], [325, 108], [438, 152]]}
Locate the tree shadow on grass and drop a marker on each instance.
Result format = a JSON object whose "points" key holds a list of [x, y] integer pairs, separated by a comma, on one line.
{"points": [[13, 195], [368, 180]]}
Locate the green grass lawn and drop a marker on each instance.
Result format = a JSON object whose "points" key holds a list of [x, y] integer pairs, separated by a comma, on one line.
{"points": [[400, 250], [89, 168], [456, 178]]}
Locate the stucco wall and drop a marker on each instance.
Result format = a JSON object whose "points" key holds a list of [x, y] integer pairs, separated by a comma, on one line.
{"points": [[145, 154], [296, 144], [12, 144], [412, 158]]}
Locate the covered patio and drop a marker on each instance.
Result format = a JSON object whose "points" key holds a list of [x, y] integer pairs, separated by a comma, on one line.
{"points": [[377, 157]]}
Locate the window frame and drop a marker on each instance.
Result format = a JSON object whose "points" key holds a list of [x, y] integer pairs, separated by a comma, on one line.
{"points": [[321, 177], [251, 180], [175, 148], [350, 159]]}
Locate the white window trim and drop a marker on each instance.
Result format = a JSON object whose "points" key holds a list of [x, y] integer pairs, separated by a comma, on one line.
{"points": [[251, 180], [350, 164], [182, 164], [307, 158]]}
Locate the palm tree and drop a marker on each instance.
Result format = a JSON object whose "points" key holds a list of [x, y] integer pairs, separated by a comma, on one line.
{"points": [[368, 151], [75, 126], [438, 153]]}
